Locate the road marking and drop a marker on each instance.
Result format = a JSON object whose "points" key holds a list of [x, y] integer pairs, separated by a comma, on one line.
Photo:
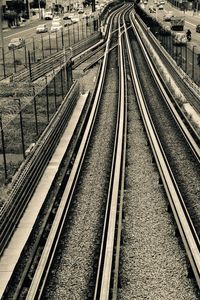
{"points": [[190, 23], [19, 32]]}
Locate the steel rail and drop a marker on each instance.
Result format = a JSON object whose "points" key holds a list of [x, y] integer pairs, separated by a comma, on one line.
{"points": [[111, 236], [98, 59], [32, 172], [189, 138], [188, 84], [41, 273], [55, 60], [181, 215], [87, 56]]}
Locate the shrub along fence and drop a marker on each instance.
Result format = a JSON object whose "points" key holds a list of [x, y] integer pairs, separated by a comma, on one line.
{"points": [[24, 114]]}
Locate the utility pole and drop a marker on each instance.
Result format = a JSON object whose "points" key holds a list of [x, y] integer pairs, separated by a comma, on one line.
{"points": [[1, 26]]}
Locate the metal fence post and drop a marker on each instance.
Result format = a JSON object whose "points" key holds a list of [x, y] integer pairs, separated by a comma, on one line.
{"points": [[57, 41], [186, 58], [61, 80], [62, 38], [69, 35], [25, 56], [34, 50], [49, 43], [42, 46], [14, 62], [82, 28], [193, 55], [35, 111], [74, 34], [47, 99], [4, 65], [29, 65], [3, 147], [54, 82], [21, 126], [78, 31]]}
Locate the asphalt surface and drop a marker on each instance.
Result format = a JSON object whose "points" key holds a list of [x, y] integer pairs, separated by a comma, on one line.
{"points": [[191, 20]]}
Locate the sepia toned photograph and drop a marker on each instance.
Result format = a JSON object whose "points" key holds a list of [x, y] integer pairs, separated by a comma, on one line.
{"points": [[100, 150]]}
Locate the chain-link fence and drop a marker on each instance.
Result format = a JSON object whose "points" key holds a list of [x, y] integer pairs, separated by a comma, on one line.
{"points": [[26, 110]]}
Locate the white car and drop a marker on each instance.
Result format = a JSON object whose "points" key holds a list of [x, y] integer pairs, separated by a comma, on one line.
{"points": [[167, 16], [16, 43], [48, 16], [56, 26], [75, 19], [160, 6], [41, 28]]}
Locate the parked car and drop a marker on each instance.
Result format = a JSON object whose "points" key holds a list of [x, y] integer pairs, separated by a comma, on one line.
{"points": [[75, 18], [16, 43], [67, 21], [168, 16], [65, 17], [41, 28], [198, 28], [48, 15], [56, 26], [160, 7]]}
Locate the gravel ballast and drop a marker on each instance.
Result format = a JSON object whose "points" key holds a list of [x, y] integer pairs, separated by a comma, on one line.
{"points": [[73, 272], [153, 261]]}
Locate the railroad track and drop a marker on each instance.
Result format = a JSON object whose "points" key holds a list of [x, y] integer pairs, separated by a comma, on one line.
{"points": [[183, 82], [172, 171], [116, 183], [34, 287], [109, 197]]}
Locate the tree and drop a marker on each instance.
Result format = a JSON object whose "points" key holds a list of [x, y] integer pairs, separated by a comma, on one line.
{"points": [[35, 4]]}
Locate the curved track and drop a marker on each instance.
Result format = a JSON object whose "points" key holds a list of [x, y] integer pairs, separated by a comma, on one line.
{"points": [[90, 206]]}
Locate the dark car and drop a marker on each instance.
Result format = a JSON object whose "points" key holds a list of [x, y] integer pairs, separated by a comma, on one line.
{"points": [[152, 9], [198, 28]]}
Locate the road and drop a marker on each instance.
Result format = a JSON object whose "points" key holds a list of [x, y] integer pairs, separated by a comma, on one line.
{"points": [[29, 30], [190, 20]]}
